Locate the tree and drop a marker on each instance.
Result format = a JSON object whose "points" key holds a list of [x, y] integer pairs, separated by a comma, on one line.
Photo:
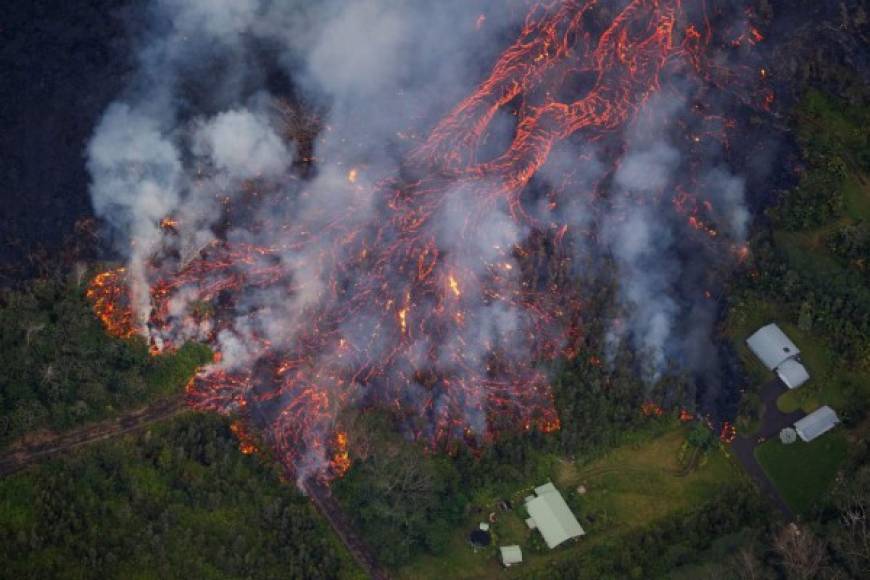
{"points": [[851, 532], [805, 318], [746, 564], [803, 554]]}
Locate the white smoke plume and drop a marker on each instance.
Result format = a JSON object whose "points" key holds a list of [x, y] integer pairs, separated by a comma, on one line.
{"points": [[241, 145], [668, 316], [199, 127]]}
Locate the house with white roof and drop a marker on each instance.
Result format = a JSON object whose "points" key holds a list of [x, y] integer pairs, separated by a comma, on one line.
{"points": [[778, 353], [550, 515]]}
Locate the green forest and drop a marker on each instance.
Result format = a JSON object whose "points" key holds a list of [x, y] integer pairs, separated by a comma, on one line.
{"points": [[178, 501], [665, 498], [61, 369]]}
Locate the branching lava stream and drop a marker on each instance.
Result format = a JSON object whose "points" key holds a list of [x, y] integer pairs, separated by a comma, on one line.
{"points": [[402, 317]]}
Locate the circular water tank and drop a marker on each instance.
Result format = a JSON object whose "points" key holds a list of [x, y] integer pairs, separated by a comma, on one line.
{"points": [[788, 436]]}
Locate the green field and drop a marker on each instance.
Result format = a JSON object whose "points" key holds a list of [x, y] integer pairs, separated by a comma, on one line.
{"points": [[803, 472], [632, 486]]}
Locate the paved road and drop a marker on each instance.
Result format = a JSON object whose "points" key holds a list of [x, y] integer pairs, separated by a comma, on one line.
{"points": [[20, 456], [772, 422]]}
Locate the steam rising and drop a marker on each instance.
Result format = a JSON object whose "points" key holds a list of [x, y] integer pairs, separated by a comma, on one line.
{"points": [[198, 128], [241, 145]]}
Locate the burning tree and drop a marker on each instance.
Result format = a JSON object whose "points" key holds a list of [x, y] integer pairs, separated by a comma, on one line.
{"points": [[420, 291]]}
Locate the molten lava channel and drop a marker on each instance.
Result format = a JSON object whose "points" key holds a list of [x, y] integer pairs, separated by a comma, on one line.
{"points": [[423, 353]]}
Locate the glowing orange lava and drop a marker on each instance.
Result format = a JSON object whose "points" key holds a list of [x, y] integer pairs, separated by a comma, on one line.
{"points": [[397, 321]]}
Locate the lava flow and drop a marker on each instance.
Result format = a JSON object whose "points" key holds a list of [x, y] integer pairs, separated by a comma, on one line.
{"points": [[417, 308]]}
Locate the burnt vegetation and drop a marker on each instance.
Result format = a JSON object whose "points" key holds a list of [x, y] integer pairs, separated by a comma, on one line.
{"points": [[181, 501]]}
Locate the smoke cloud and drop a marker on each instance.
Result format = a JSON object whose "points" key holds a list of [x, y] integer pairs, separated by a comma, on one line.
{"points": [[202, 135], [242, 145]]}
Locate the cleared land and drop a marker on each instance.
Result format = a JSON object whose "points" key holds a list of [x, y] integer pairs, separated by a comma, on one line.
{"points": [[20, 456], [630, 487], [803, 472]]}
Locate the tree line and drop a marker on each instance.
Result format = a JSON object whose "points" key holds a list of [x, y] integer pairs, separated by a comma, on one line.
{"points": [[60, 368]]}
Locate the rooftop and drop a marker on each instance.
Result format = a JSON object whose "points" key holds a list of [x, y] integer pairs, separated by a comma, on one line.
{"points": [[511, 555], [772, 346], [792, 373], [816, 423], [552, 516]]}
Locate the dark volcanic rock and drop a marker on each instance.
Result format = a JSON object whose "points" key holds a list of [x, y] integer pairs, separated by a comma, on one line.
{"points": [[62, 63]]}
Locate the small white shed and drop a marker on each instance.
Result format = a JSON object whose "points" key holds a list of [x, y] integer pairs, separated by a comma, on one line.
{"points": [[511, 555]]}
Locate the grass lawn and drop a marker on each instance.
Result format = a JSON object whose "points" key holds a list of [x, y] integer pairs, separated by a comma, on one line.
{"points": [[630, 487], [638, 484], [803, 472]]}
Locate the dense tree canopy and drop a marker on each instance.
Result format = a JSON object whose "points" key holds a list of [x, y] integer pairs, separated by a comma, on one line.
{"points": [[60, 368], [178, 502]]}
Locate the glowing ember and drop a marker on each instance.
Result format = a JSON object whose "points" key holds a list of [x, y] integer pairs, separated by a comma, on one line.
{"points": [[168, 223], [108, 293], [246, 445], [454, 286], [728, 432], [341, 456], [396, 318]]}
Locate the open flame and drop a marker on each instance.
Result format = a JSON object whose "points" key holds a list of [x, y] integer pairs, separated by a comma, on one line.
{"points": [[341, 456], [246, 445], [108, 294], [385, 329], [454, 286]]}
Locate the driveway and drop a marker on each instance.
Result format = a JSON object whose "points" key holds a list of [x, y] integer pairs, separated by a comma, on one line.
{"points": [[772, 422]]}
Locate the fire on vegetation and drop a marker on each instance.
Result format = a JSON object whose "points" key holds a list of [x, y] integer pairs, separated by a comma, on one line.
{"points": [[396, 318]]}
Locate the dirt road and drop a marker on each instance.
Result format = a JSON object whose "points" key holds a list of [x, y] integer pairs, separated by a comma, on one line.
{"points": [[23, 454], [322, 498]]}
